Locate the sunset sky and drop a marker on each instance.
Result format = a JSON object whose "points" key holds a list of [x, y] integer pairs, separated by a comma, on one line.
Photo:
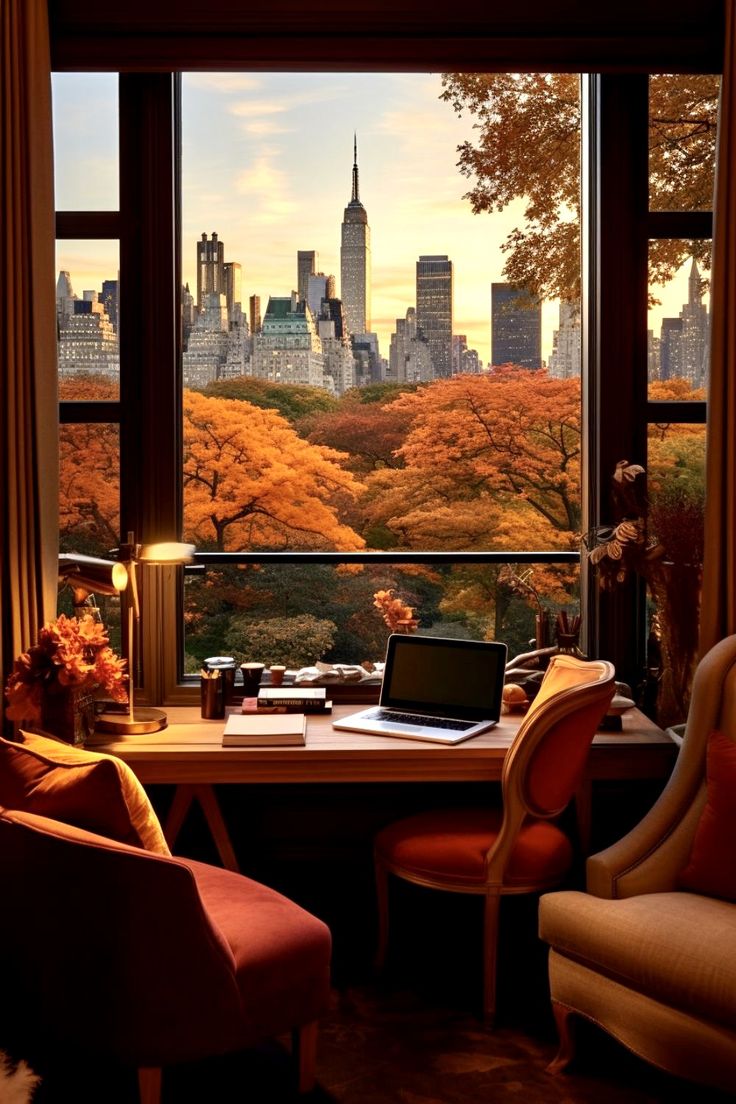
{"points": [[267, 161]]}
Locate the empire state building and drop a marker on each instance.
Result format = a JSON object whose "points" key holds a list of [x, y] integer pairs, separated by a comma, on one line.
{"points": [[355, 260]]}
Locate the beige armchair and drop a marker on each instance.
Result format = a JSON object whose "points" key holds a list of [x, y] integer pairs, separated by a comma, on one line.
{"points": [[652, 964]]}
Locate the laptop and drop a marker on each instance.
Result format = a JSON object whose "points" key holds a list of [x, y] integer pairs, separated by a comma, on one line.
{"points": [[441, 691]]}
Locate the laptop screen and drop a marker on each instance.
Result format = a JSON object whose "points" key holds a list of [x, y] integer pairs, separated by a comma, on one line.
{"points": [[458, 678]]}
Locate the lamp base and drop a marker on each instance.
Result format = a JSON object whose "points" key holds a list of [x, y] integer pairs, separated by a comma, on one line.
{"points": [[145, 719]]}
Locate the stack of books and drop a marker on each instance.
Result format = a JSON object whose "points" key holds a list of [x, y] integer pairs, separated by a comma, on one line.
{"points": [[262, 731], [293, 699]]}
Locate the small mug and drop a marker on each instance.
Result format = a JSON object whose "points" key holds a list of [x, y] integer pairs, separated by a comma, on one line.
{"points": [[277, 672], [251, 678]]}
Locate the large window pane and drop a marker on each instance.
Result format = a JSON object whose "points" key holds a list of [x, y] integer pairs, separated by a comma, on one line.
{"points": [[89, 488], [345, 298], [300, 613], [676, 491], [85, 113], [87, 318], [682, 141], [679, 320]]}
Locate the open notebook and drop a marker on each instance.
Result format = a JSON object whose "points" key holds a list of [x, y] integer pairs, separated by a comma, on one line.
{"points": [[434, 689]]}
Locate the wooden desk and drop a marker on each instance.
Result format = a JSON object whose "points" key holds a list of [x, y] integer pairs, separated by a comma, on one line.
{"points": [[189, 753]]}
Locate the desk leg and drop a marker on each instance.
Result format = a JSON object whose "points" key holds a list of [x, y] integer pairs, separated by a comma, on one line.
{"points": [[184, 795]]}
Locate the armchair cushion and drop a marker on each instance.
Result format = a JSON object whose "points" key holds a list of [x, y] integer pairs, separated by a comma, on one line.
{"points": [[86, 789], [712, 866], [653, 944]]}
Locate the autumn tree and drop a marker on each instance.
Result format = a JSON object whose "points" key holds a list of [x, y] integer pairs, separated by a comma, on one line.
{"points": [[528, 148], [250, 482], [293, 401], [371, 434], [488, 452], [89, 473]]}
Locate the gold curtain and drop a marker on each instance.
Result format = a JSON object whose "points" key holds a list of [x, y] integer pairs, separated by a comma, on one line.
{"points": [[718, 613], [28, 389]]}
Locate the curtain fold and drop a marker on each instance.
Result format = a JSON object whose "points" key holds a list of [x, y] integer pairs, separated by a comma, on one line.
{"points": [[718, 610], [28, 376]]}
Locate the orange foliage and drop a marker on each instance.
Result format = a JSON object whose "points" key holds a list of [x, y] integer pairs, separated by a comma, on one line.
{"points": [[89, 487], [250, 482], [491, 462]]}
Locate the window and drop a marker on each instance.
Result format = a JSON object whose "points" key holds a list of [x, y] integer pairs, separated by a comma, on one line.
{"points": [[613, 310], [360, 414]]}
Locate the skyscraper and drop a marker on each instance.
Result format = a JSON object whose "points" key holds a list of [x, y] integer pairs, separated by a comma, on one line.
{"points": [[355, 259], [306, 266], [516, 327], [210, 269], [695, 341], [434, 311], [565, 359]]}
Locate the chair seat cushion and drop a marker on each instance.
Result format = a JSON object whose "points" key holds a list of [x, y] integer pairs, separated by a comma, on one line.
{"points": [[281, 952], [86, 789], [451, 844], [679, 948]]}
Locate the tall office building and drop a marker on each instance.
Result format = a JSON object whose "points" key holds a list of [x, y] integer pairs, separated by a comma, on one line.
{"points": [[306, 266], [254, 314], [695, 340], [355, 259], [565, 360], [434, 311], [408, 357], [516, 327], [233, 285], [210, 269], [670, 349]]}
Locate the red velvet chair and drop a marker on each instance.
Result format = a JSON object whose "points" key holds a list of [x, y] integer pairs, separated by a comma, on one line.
{"points": [[519, 848], [148, 959]]}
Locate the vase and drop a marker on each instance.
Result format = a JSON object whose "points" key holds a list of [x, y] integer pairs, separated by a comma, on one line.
{"points": [[68, 714]]}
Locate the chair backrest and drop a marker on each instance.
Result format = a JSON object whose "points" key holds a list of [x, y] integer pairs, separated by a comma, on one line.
{"points": [[108, 945], [546, 761]]}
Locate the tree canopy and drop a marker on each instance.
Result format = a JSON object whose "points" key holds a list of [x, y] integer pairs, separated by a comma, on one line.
{"points": [[528, 149], [251, 482]]}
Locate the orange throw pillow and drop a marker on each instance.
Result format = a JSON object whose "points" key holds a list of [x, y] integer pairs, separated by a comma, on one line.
{"points": [[84, 788], [712, 866]]}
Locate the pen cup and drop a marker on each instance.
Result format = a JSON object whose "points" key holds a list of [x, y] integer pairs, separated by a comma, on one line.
{"points": [[211, 695], [226, 666]]}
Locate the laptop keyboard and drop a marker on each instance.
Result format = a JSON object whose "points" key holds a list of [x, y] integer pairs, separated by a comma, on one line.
{"points": [[415, 719]]}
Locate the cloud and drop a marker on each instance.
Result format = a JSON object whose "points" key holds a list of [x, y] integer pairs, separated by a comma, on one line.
{"points": [[248, 108], [223, 82], [267, 189], [263, 128]]}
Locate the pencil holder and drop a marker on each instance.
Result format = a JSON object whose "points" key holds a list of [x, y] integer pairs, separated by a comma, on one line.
{"points": [[211, 694]]}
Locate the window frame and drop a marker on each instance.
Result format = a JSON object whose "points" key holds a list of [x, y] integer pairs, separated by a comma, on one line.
{"points": [[145, 49]]}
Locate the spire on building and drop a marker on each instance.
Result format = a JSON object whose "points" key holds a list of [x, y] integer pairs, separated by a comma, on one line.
{"points": [[695, 287], [355, 197]]}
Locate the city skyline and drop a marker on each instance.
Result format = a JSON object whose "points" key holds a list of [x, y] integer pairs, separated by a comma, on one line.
{"points": [[267, 165]]}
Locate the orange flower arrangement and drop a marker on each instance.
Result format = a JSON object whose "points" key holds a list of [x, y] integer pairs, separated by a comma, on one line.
{"points": [[72, 653], [398, 616]]}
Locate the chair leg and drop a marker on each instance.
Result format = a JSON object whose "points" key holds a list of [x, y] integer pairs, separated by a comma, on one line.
{"points": [[304, 1041], [149, 1085], [564, 1023], [490, 956], [382, 903]]}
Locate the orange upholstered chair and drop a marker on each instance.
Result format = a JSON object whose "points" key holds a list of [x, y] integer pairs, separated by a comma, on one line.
{"points": [[518, 848], [147, 959]]}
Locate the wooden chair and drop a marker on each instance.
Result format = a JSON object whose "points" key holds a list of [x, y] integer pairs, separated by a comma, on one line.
{"points": [[518, 848], [150, 960]]}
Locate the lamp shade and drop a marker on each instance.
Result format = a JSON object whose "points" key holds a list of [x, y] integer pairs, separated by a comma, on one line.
{"points": [[166, 552], [91, 574]]}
